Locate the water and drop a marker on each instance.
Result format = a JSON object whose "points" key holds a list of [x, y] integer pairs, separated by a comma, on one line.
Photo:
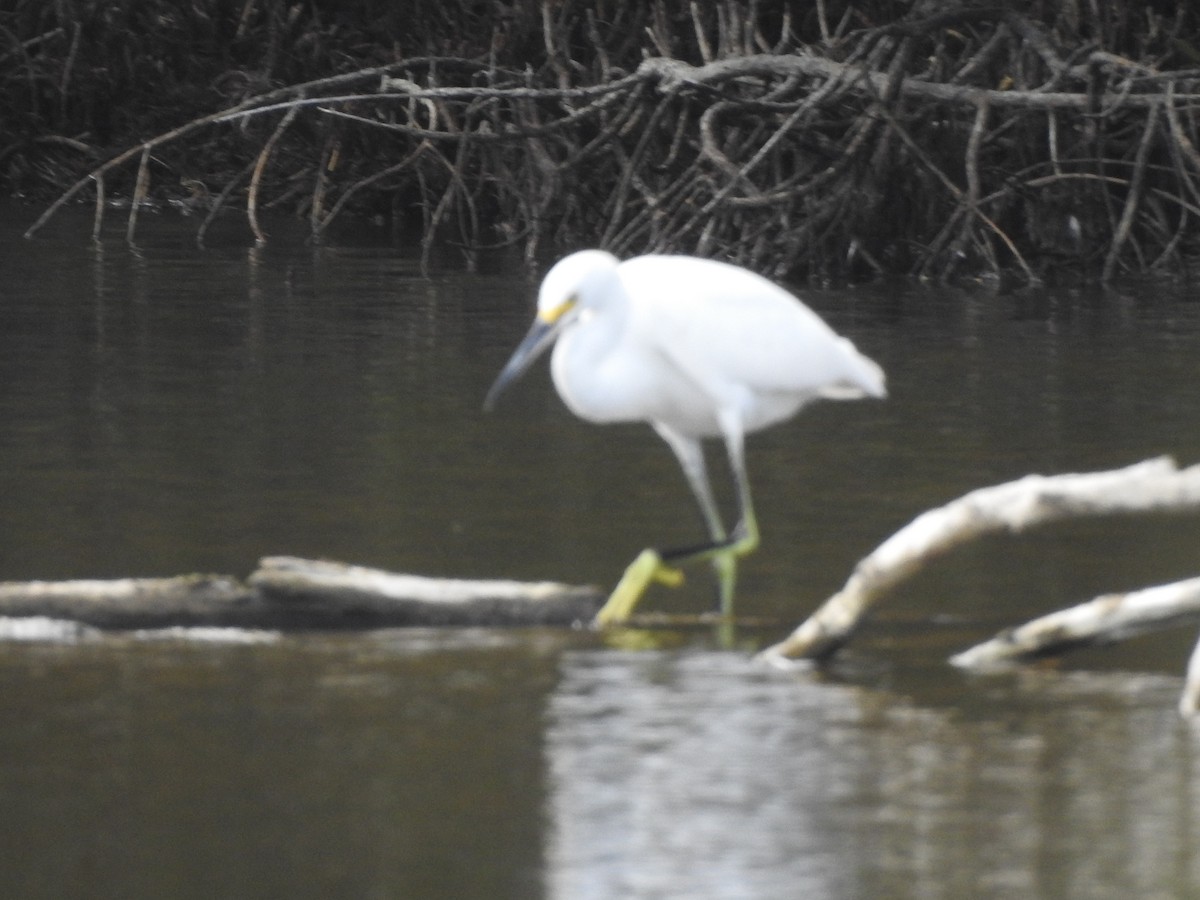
{"points": [[167, 410]]}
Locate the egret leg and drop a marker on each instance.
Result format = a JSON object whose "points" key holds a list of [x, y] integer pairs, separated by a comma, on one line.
{"points": [[639, 574], [724, 551], [744, 539], [724, 554], [691, 459], [653, 565]]}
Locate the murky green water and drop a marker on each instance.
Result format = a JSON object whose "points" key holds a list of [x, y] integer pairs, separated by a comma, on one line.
{"points": [[165, 410]]}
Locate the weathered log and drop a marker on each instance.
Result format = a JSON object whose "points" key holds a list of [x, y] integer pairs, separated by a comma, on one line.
{"points": [[286, 593], [336, 594], [136, 602], [1156, 484], [43, 628], [1104, 620]]}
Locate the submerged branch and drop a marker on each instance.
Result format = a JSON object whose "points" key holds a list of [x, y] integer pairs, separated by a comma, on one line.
{"points": [[1104, 620]]}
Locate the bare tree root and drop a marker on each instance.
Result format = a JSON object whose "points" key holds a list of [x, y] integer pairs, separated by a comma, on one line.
{"points": [[971, 141]]}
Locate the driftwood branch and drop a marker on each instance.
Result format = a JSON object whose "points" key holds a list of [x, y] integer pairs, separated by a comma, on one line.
{"points": [[1189, 703], [1104, 620], [353, 595], [134, 602], [1153, 485], [287, 593]]}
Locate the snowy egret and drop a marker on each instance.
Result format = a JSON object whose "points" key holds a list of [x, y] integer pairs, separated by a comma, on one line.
{"points": [[698, 349]]}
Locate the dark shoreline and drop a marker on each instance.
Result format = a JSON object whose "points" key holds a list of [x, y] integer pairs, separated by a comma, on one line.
{"points": [[873, 140]]}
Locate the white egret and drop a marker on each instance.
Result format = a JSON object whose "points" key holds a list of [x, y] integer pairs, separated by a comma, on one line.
{"points": [[698, 349]]}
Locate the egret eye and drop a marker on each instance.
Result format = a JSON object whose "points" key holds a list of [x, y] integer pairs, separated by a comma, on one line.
{"points": [[554, 313]]}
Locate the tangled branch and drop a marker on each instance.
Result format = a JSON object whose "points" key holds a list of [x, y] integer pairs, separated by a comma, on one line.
{"points": [[971, 141]]}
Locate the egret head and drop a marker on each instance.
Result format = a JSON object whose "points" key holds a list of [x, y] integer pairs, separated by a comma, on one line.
{"points": [[575, 283]]}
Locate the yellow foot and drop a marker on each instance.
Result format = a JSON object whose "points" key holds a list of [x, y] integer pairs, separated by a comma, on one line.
{"points": [[648, 567]]}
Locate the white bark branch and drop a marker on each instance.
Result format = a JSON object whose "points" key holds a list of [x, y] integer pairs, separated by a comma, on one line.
{"points": [[288, 593], [1106, 619], [357, 594], [1153, 485], [673, 74], [1189, 703]]}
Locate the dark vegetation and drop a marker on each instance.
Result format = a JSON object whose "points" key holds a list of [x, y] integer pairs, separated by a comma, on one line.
{"points": [[809, 139]]}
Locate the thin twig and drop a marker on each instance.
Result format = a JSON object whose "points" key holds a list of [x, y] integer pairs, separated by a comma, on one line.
{"points": [[98, 215], [256, 176], [1132, 198], [142, 186]]}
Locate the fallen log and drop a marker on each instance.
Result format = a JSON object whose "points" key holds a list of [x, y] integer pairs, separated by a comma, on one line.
{"points": [[127, 603], [336, 594], [287, 593]]}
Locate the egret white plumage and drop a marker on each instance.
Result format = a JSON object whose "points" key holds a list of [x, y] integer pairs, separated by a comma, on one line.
{"points": [[698, 349]]}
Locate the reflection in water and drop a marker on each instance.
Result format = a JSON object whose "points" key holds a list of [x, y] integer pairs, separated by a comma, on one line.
{"points": [[392, 765], [692, 775], [700, 775]]}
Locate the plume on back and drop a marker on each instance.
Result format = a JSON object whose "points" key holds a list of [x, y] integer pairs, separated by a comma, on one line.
{"points": [[864, 378], [767, 338]]}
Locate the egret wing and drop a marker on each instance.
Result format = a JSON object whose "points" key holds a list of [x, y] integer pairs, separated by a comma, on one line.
{"points": [[725, 325]]}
